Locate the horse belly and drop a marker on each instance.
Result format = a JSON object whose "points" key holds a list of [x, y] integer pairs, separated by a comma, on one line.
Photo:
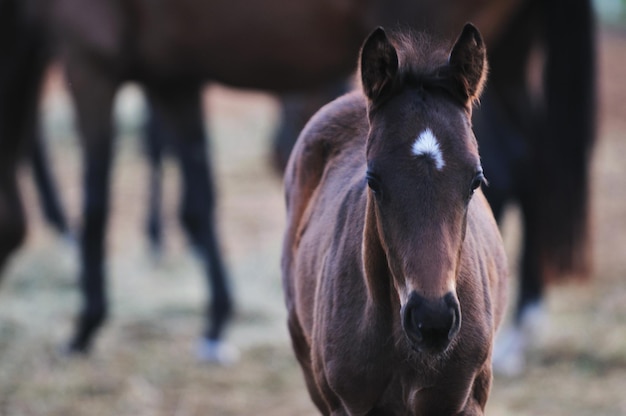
{"points": [[268, 44]]}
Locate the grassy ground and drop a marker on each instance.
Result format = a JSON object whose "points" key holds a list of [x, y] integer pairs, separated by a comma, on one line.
{"points": [[143, 363]]}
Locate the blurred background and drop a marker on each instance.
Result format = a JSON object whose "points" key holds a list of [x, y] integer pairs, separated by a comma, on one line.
{"points": [[144, 363]]}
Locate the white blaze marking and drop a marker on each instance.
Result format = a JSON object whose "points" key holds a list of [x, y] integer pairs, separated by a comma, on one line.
{"points": [[426, 144]]}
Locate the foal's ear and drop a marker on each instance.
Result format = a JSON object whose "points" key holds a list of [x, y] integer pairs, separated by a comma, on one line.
{"points": [[468, 63], [379, 64]]}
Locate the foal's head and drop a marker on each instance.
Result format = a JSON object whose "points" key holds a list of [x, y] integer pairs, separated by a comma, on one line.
{"points": [[422, 169]]}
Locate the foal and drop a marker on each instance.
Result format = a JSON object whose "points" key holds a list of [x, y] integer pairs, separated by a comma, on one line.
{"points": [[393, 267]]}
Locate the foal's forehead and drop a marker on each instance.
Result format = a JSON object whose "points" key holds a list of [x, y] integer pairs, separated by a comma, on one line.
{"points": [[444, 148], [423, 127], [427, 145]]}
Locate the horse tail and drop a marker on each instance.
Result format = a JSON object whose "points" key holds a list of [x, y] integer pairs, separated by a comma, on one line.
{"points": [[564, 160]]}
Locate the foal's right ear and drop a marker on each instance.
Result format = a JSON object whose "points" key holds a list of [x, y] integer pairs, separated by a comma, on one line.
{"points": [[379, 64], [468, 63]]}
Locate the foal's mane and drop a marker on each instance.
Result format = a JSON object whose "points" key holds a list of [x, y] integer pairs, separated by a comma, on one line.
{"points": [[418, 52], [423, 63]]}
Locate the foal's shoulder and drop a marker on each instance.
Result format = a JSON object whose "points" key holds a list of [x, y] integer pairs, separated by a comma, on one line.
{"points": [[338, 126]]}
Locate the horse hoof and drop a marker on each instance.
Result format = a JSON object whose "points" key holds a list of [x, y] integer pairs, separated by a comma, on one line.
{"points": [[513, 343], [509, 355], [155, 254], [534, 321], [217, 352], [70, 350]]}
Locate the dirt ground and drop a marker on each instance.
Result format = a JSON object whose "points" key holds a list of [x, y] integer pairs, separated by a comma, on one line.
{"points": [[144, 364]]}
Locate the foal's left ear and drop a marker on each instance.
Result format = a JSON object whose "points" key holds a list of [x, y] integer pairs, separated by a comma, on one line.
{"points": [[468, 63], [379, 64]]}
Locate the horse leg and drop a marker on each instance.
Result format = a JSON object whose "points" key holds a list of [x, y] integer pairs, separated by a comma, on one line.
{"points": [[12, 220], [93, 94], [443, 399], [518, 132], [513, 342], [528, 311], [480, 392], [181, 113], [23, 59], [154, 150], [48, 191]]}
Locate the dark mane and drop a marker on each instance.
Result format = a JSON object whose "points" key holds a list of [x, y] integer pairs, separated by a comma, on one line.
{"points": [[423, 63], [419, 54]]}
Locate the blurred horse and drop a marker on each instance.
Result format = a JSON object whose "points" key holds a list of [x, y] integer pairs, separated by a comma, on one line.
{"points": [[173, 47], [394, 272], [536, 128]]}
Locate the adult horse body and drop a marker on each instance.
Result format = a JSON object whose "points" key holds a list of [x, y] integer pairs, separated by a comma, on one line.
{"points": [[394, 272], [172, 48]]}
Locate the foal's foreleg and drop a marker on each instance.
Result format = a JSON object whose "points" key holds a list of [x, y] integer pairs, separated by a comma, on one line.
{"points": [[93, 94], [480, 392]]}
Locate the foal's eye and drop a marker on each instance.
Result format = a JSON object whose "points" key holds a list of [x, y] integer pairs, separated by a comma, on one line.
{"points": [[478, 180], [373, 182]]}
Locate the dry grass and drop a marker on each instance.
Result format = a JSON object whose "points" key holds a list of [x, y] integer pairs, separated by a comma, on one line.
{"points": [[143, 363]]}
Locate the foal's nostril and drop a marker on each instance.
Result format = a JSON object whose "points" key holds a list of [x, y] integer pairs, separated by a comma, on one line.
{"points": [[453, 307], [431, 324]]}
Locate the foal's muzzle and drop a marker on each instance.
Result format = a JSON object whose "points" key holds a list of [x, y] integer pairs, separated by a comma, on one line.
{"points": [[431, 324]]}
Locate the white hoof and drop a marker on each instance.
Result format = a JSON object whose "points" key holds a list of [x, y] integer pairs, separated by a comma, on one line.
{"points": [[509, 354], [513, 343], [534, 321], [217, 352]]}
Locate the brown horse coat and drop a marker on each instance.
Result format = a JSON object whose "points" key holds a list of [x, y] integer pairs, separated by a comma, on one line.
{"points": [[351, 273]]}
